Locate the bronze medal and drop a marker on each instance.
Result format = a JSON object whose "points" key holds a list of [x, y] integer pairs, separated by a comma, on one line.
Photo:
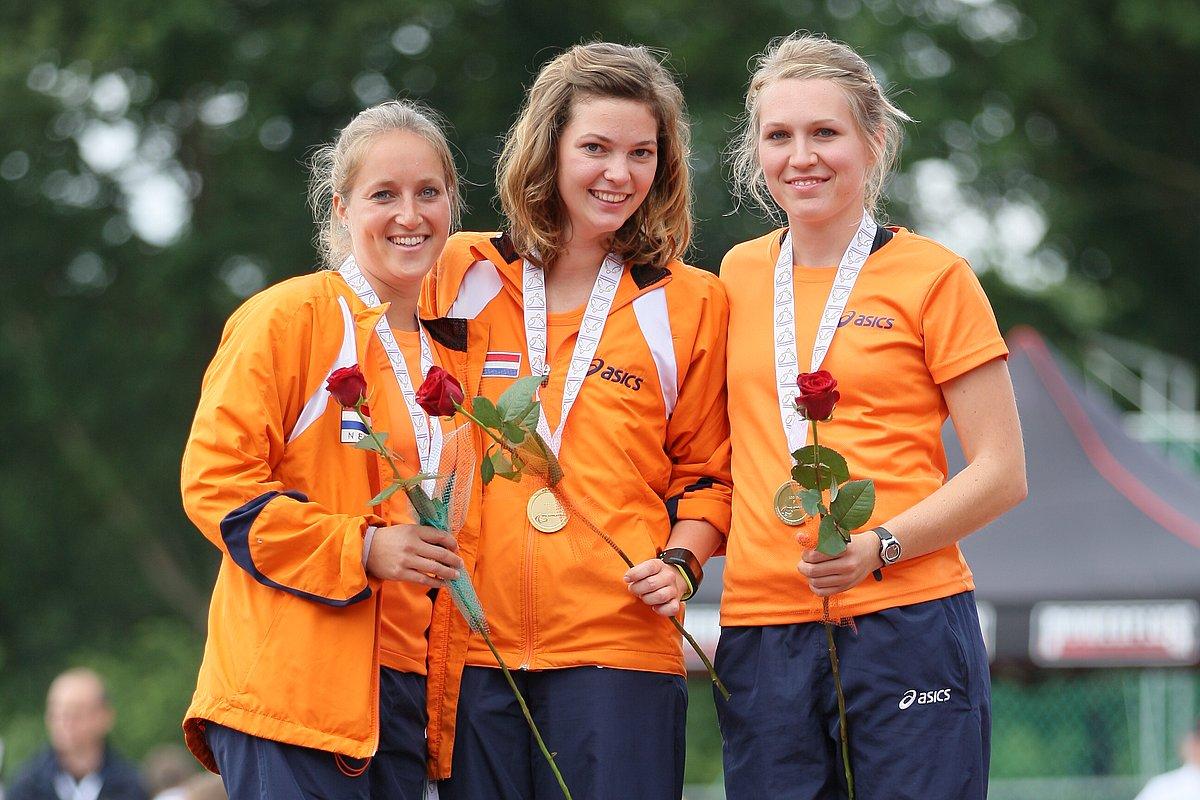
{"points": [[545, 512], [787, 504]]}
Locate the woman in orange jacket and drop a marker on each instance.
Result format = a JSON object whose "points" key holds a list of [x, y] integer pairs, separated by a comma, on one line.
{"points": [[585, 287], [903, 326], [299, 688]]}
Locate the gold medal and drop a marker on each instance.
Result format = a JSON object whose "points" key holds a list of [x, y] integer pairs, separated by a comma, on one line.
{"points": [[787, 504], [545, 512]]}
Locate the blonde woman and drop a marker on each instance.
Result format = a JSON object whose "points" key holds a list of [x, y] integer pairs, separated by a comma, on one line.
{"points": [[299, 694], [914, 341], [585, 287]]}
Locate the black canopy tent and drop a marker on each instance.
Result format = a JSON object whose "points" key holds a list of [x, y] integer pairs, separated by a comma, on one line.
{"points": [[1107, 520]]}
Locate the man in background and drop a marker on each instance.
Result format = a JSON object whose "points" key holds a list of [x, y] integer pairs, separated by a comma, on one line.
{"points": [[1182, 783], [78, 764]]}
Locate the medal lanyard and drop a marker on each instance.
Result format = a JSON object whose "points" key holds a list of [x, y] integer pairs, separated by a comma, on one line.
{"points": [[533, 288], [795, 426], [428, 436]]}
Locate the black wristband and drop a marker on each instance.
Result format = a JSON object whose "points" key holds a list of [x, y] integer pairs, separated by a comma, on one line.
{"points": [[687, 563]]}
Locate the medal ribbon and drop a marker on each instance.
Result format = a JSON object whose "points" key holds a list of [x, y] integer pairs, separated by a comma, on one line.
{"points": [[604, 290], [428, 436], [795, 426]]}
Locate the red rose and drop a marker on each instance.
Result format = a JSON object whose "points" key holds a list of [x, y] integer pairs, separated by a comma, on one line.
{"points": [[348, 386], [818, 395], [440, 393]]}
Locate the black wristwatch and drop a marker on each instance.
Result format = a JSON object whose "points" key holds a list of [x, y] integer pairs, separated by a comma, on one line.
{"points": [[890, 550], [688, 565]]}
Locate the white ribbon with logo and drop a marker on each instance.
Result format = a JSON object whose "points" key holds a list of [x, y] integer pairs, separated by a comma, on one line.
{"points": [[428, 436], [787, 364], [604, 290]]}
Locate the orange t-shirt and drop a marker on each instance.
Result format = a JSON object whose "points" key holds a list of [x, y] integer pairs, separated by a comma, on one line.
{"points": [[917, 318], [406, 607]]}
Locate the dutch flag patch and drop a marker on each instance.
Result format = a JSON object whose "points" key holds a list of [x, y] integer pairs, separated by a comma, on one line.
{"points": [[353, 429], [499, 364]]}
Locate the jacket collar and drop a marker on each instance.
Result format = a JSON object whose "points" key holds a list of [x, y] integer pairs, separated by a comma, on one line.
{"points": [[637, 280]]}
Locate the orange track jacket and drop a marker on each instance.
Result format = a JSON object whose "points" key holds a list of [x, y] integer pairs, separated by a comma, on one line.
{"points": [[647, 442], [292, 650]]}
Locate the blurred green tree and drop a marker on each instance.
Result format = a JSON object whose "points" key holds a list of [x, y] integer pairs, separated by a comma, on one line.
{"points": [[152, 176]]}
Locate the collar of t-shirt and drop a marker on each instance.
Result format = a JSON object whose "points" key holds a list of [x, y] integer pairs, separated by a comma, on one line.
{"points": [[86, 788]]}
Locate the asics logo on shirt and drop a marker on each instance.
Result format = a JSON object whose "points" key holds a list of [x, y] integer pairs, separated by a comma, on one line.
{"points": [[924, 698], [611, 373], [866, 320]]}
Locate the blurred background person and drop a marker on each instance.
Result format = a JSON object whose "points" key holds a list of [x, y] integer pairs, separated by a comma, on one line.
{"points": [[1182, 783], [205, 786], [79, 764], [166, 770]]}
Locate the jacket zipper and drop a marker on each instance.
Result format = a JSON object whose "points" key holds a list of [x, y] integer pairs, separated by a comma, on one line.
{"points": [[527, 613]]}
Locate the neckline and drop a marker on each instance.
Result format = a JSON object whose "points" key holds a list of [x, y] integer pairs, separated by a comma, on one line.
{"points": [[573, 316], [407, 337]]}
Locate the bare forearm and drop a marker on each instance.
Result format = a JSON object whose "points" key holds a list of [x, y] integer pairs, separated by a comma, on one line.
{"points": [[696, 535], [981, 492]]}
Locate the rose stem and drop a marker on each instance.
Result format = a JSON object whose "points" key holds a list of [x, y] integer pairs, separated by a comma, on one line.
{"points": [[528, 716], [378, 442], [833, 656], [712, 671]]}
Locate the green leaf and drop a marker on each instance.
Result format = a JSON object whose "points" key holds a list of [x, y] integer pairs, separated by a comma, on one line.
{"points": [[514, 403], [530, 418], [854, 504], [541, 459], [385, 494], [485, 412], [501, 462], [503, 467], [829, 538], [806, 476], [512, 432], [372, 443], [829, 458], [810, 501], [487, 471], [834, 491]]}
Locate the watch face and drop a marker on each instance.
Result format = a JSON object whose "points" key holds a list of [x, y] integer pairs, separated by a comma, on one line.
{"points": [[891, 552]]}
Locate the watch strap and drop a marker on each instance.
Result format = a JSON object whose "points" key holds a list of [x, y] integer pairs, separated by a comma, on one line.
{"points": [[688, 565], [885, 538]]}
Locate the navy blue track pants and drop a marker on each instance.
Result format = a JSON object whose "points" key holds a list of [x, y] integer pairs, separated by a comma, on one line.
{"points": [[617, 734], [254, 768], [918, 702]]}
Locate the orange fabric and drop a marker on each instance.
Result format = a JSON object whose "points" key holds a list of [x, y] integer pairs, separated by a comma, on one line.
{"points": [[917, 318], [561, 326], [292, 650], [406, 607], [558, 600]]}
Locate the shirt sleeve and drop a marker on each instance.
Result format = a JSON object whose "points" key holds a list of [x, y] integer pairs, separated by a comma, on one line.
{"points": [[958, 326], [698, 431], [230, 488]]}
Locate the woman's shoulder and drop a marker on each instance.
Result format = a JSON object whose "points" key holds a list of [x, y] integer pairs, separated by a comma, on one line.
{"points": [[920, 253], [694, 283], [750, 253], [279, 303], [693, 276], [466, 247], [442, 286]]}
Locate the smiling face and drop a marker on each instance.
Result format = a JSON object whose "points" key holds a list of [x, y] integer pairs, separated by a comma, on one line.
{"points": [[813, 155], [397, 211], [607, 159]]}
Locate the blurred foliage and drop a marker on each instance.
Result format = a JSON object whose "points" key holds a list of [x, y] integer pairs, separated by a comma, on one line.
{"points": [[1073, 120]]}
